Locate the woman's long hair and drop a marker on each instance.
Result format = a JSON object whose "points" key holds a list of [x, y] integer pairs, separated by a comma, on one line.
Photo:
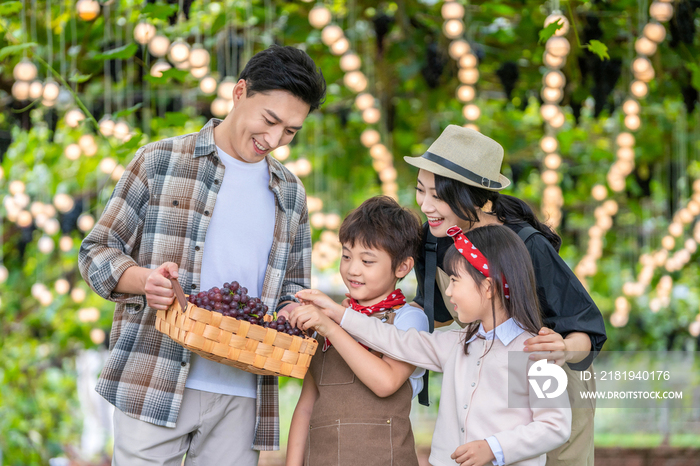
{"points": [[506, 255], [464, 199]]}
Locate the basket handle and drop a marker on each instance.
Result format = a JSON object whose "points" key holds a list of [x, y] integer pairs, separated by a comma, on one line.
{"points": [[179, 293]]}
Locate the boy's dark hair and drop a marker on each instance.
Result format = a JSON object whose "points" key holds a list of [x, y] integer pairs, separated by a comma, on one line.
{"points": [[285, 68], [506, 254], [381, 223]]}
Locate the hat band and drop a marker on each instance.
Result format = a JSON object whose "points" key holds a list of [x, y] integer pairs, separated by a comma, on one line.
{"points": [[468, 174]]}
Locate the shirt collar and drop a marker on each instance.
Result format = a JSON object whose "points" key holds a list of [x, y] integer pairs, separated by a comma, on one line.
{"points": [[506, 332], [205, 145]]}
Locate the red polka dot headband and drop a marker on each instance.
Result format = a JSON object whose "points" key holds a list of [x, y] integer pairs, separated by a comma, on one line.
{"points": [[467, 249]]}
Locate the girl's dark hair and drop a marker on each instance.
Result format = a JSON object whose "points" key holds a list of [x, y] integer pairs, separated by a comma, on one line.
{"points": [[464, 199], [506, 254], [288, 69]]}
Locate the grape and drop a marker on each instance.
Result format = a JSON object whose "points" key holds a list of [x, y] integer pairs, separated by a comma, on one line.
{"points": [[235, 298], [244, 290], [227, 285], [281, 319], [218, 297], [273, 325], [234, 286], [226, 298], [217, 306], [244, 298]]}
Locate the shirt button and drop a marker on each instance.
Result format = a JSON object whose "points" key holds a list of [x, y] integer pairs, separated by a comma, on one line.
{"points": [[473, 383], [465, 406], [183, 363], [206, 212], [194, 286], [462, 429], [216, 159], [175, 203], [138, 307], [216, 181], [478, 363], [196, 248]]}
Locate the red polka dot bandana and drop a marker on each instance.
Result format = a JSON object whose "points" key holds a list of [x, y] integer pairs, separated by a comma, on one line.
{"points": [[467, 249]]}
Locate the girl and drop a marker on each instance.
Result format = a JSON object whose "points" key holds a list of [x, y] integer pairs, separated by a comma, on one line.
{"points": [[492, 289]]}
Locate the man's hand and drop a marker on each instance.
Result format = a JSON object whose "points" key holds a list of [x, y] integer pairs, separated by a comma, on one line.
{"points": [[311, 316], [550, 344], [476, 453], [159, 290], [329, 307]]}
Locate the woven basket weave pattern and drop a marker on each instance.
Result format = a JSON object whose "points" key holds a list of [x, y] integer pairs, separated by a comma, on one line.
{"points": [[236, 343]]}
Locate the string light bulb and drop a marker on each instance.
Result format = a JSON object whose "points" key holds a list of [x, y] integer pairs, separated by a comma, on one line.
{"points": [[553, 61], [452, 10], [208, 85], [199, 56], [319, 16], [350, 62], [331, 34], [340, 46], [466, 93], [179, 51], [562, 20], [645, 46], [471, 112], [558, 46], [20, 90], [453, 28], [25, 70], [159, 67], [159, 46], [371, 115], [549, 144], [655, 32], [468, 60], [73, 117], [364, 101], [661, 11], [144, 32], [639, 89], [87, 9], [458, 48]]}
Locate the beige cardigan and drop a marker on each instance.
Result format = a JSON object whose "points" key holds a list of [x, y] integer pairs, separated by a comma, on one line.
{"points": [[474, 394]]}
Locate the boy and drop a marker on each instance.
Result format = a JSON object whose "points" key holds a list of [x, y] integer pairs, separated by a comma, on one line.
{"points": [[205, 208], [354, 405]]}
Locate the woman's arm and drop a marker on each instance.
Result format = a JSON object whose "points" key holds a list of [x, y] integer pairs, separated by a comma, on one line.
{"points": [[299, 429], [572, 349]]}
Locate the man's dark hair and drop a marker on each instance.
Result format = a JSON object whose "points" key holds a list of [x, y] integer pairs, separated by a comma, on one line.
{"points": [[288, 69], [381, 223]]}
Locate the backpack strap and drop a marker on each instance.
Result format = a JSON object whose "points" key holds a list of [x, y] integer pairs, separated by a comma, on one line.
{"points": [[526, 232], [429, 301]]}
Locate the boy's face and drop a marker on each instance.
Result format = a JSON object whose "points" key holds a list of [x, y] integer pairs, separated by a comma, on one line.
{"points": [[368, 273], [263, 122]]}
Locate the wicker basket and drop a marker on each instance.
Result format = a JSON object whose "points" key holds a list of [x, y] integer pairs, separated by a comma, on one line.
{"points": [[236, 343]]}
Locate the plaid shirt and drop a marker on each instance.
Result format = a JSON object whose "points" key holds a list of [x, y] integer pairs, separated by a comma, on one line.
{"points": [[159, 212]]}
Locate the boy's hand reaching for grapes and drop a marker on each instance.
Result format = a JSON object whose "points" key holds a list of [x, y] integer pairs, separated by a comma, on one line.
{"points": [[311, 316], [329, 307]]}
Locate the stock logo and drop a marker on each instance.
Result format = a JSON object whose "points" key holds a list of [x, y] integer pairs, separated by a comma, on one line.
{"points": [[551, 371]]}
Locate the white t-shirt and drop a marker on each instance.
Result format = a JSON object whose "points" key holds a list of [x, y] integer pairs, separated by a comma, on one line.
{"points": [[237, 247]]}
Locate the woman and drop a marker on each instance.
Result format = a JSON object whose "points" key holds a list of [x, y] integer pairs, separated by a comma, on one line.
{"points": [[458, 184]]}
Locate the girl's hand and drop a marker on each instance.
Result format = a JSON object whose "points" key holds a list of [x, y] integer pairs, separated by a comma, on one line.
{"points": [[547, 341], [311, 316], [329, 307], [476, 453]]}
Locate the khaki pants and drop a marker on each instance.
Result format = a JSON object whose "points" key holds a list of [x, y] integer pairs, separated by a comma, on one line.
{"points": [[578, 451], [212, 429]]}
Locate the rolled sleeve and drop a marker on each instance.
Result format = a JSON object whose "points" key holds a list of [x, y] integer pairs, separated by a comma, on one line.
{"points": [[107, 251]]}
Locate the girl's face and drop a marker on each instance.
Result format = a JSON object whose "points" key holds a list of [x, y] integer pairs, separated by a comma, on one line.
{"points": [[472, 301], [440, 215]]}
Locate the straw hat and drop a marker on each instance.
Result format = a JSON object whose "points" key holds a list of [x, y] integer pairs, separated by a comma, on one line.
{"points": [[465, 155]]}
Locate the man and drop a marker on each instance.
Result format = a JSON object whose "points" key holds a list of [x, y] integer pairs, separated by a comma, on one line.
{"points": [[205, 208]]}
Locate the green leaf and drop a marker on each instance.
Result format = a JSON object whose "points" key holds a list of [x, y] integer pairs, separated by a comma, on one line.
{"points": [[176, 119], [549, 31], [158, 11], [79, 78], [179, 75], [598, 48], [127, 111], [122, 53], [10, 8], [15, 49], [695, 71]]}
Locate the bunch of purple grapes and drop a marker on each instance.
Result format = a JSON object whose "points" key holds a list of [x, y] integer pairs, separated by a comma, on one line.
{"points": [[232, 300]]}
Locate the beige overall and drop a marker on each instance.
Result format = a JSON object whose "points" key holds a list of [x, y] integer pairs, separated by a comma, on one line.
{"points": [[350, 425]]}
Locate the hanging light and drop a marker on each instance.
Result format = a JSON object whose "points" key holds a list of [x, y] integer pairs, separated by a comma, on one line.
{"points": [[62, 286], [350, 62], [562, 20], [74, 117], [25, 70], [549, 144], [458, 48], [558, 120], [65, 243], [179, 51], [558, 46], [36, 89], [599, 192], [655, 32], [552, 94], [159, 67], [548, 111], [370, 137], [183, 65], [20, 90], [380, 152], [625, 153], [303, 167], [158, 46], [87, 9], [371, 115], [471, 126], [554, 61], [453, 28], [668, 243], [330, 34], [88, 145], [4, 273], [552, 161], [121, 130], [639, 89], [85, 222], [51, 91], [207, 85], [550, 177], [45, 245], [554, 79], [645, 76], [355, 81], [78, 295], [340, 46], [281, 153], [641, 65], [220, 107], [471, 112], [452, 10], [72, 152], [661, 11], [466, 93], [51, 226], [630, 106], [225, 90], [144, 32], [468, 75], [24, 219], [625, 140], [200, 72], [319, 16], [364, 101], [107, 127], [199, 56], [632, 122], [468, 60], [645, 46]]}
